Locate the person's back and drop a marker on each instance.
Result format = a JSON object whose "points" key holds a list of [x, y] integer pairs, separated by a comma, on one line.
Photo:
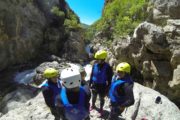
{"points": [[124, 90], [50, 89], [121, 91], [73, 100]]}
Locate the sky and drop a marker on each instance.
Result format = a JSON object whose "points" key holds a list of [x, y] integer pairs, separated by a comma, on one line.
{"points": [[88, 10]]}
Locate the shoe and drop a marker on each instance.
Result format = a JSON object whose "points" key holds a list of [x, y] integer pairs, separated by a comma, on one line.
{"points": [[100, 113], [92, 108]]}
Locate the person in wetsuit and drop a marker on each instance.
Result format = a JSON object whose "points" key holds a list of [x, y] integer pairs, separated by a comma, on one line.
{"points": [[50, 89], [100, 79], [121, 91], [73, 100]]}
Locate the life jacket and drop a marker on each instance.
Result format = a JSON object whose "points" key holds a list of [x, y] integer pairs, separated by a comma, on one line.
{"points": [[55, 87], [99, 75], [126, 78], [113, 93], [74, 111]]}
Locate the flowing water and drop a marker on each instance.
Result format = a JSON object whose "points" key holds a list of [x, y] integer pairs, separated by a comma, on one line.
{"points": [[25, 77], [9, 80]]}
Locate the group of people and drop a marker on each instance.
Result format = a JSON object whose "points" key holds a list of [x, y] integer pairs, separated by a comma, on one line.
{"points": [[68, 94]]}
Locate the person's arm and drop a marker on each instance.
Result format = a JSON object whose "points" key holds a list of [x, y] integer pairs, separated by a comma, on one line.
{"points": [[128, 89], [60, 107], [48, 96], [87, 99], [113, 78], [109, 75]]}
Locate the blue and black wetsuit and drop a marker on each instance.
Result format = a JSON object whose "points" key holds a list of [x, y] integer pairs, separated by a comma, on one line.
{"points": [[74, 105], [50, 91], [99, 82], [121, 95]]}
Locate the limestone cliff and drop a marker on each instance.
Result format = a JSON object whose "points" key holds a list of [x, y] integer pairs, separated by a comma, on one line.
{"points": [[32, 28]]}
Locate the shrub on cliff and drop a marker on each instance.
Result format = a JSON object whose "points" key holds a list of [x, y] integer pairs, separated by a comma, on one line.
{"points": [[120, 17]]}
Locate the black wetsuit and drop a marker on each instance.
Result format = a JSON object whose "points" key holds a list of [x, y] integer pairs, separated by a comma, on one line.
{"points": [[73, 98], [50, 90], [98, 88], [126, 91]]}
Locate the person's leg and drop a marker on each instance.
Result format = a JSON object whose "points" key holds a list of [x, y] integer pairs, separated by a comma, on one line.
{"points": [[60, 114], [88, 118], [94, 97], [101, 97], [55, 112], [113, 115], [102, 94]]}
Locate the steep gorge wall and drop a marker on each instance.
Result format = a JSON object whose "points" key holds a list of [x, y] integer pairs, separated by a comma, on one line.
{"points": [[31, 28], [21, 31]]}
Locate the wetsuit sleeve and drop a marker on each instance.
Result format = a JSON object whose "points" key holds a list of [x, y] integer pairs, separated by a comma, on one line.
{"points": [[48, 96], [109, 75], [113, 78], [128, 89], [60, 107], [87, 99]]}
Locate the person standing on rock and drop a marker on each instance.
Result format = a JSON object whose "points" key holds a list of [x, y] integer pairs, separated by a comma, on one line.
{"points": [[121, 91], [83, 75], [73, 100], [100, 80], [84, 83], [50, 89]]}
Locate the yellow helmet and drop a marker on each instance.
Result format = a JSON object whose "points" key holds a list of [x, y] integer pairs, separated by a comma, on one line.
{"points": [[123, 67], [50, 73], [101, 54]]}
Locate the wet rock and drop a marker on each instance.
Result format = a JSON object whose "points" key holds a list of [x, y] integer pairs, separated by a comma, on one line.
{"points": [[176, 77]]}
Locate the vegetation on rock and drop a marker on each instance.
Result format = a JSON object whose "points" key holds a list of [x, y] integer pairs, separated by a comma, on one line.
{"points": [[119, 18]]}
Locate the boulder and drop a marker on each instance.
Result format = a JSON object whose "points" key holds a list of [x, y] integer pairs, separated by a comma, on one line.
{"points": [[166, 7], [175, 59], [74, 47], [153, 37], [176, 77], [34, 109], [148, 107], [17, 98], [38, 79], [175, 86], [159, 17], [169, 29], [174, 22]]}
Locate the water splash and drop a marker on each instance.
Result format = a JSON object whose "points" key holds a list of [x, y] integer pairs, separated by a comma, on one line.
{"points": [[25, 77]]}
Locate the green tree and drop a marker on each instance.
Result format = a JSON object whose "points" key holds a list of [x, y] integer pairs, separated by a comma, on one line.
{"points": [[56, 11], [120, 17]]}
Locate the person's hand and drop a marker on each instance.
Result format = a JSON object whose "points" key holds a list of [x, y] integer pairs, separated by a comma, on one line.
{"points": [[58, 104], [90, 85], [121, 108]]}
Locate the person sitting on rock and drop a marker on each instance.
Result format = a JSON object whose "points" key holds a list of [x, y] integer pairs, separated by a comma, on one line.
{"points": [[100, 79], [121, 91], [73, 100], [50, 89]]}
